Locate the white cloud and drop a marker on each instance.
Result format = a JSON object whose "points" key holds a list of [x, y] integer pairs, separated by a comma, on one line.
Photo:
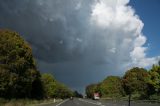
{"points": [[113, 50], [123, 30], [79, 40]]}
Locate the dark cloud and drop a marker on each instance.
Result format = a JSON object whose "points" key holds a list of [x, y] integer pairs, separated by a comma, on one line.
{"points": [[76, 39], [52, 27]]}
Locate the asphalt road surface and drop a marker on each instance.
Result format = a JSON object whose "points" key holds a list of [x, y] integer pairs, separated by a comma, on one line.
{"points": [[77, 102], [87, 102]]}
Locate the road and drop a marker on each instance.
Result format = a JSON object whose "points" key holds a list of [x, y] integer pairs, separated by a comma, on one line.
{"points": [[87, 102], [78, 102]]}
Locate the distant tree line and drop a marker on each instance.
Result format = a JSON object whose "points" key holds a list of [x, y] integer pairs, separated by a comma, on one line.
{"points": [[139, 82], [53, 88], [19, 77]]}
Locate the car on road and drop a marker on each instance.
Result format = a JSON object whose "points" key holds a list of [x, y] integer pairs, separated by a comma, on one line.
{"points": [[71, 98], [96, 96]]}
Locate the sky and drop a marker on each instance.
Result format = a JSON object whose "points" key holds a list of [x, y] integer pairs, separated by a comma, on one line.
{"points": [[148, 13], [83, 41]]}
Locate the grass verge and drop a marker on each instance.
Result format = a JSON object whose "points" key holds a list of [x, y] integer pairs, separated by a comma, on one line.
{"points": [[27, 102]]}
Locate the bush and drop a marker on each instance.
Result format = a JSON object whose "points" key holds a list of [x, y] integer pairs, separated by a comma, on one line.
{"points": [[154, 97]]}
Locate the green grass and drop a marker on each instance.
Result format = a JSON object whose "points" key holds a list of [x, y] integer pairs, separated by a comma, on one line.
{"points": [[152, 99], [25, 102]]}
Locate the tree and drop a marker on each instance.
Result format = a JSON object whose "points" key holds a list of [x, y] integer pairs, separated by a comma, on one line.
{"points": [[54, 89], [136, 82], [112, 87], [49, 85], [4, 81], [62, 91], [17, 66], [91, 89], [154, 80]]}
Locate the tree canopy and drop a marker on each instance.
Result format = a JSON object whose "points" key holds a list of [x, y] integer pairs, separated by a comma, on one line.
{"points": [[18, 71], [112, 87], [136, 82], [91, 89], [154, 81], [19, 77], [54, 89], [49, 85], [139, 82]]}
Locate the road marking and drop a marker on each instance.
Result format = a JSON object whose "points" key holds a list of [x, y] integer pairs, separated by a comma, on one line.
{"points": [[98, 103], [62, 102]]}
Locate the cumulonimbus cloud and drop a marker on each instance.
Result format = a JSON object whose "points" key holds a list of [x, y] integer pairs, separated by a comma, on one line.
{"points": [[90, 38], [125, 32]]}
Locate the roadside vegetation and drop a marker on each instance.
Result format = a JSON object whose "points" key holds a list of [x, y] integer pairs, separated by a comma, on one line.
{"points": [[142, 84], [20, 80], [21, 83], [27, 102]]}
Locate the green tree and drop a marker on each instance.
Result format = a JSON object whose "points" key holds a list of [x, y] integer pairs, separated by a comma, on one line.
{"points": [[4, 81], [112, 87], [154, 81], [136, 82], [17, 67], [62, 91], [49, 84], [91, 89]]}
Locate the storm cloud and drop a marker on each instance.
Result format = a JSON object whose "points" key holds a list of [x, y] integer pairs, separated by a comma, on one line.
{"points": [[79, 41]]}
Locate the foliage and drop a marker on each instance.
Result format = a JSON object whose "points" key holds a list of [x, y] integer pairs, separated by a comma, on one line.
{"points": [[27, 102], [18, 72], [19, 77], [138, 82], [62, 91], [91, 89], [135, 82], [154, 81], [49, 85], [154, 97], [109, 87], [112, 87], [54, 89]]}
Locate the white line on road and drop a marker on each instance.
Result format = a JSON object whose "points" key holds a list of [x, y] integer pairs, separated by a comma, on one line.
{"points": [[98, 103], [62, 102]]}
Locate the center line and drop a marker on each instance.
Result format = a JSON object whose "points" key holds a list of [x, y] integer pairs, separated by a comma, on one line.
{"points": [[99, 104], [62, 102]]}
